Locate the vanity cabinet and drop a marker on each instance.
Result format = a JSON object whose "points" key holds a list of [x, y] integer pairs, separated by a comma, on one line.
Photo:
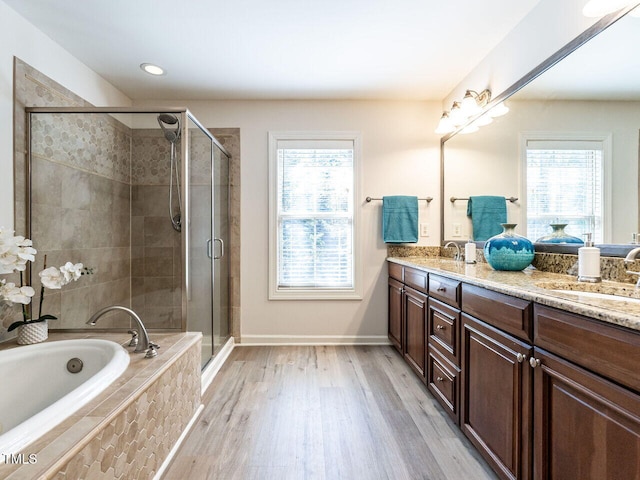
{"points": [[407, 299], [586, 398], [443, 343], [540, 392], [496, 380]]}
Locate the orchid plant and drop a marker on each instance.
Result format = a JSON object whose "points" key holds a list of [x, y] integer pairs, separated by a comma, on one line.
{"points": [[15, 252]]}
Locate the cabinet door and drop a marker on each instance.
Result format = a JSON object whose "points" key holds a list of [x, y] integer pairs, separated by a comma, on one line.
{"points": [[585, 427], [395, 313], [496, 397], [415, 317]]}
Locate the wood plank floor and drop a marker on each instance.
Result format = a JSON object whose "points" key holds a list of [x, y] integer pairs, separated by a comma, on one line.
{"points": [[323, 413]]}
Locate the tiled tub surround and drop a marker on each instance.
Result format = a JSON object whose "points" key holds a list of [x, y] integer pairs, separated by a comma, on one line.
{"points": [[525, 285], [129, 429]]}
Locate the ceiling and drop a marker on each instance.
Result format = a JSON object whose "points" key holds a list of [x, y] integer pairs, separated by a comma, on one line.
{"points": [[283, 49]]}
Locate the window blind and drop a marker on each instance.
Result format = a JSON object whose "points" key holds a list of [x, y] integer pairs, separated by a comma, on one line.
{"points": [[565, 185], [315, 203]]}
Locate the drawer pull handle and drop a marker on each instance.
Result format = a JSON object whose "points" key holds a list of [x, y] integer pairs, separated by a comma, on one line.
{"points": [[534, 362], [440, 327], [439, 379], [441, 289], [521, 358]]}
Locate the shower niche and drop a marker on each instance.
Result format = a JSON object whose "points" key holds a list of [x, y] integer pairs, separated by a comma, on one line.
{"points": [[142, 198]]}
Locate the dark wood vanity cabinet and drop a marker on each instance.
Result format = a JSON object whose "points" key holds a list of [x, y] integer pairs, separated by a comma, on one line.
{"points": [[585, 427], [496, 380], [407, 314], [415, 315], [443, 343], [586, 398], [542, 393]]}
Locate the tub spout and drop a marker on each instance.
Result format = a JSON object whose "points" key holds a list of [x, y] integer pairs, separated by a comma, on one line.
{"points": [[144, 344]]}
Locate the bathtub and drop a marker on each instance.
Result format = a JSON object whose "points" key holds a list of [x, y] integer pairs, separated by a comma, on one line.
{"points": [[37, 391]]}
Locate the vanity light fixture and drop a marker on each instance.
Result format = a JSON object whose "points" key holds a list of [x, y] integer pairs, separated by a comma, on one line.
{"points": [[152, 69], [499, 110], [600, 8], [471, 105]]}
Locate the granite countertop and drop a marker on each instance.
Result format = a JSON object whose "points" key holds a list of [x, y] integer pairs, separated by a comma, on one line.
{"points": [[530, 284]]}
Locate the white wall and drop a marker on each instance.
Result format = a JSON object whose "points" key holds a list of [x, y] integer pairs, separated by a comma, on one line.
{"points": [[400, 156], [21, 39], [545, 30]]}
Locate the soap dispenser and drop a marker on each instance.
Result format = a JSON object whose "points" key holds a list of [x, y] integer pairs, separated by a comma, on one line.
{"points": [[470, 252], [589, 262]]}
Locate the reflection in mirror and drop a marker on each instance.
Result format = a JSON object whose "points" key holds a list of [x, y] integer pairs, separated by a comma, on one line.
{"points": [[568, 148]]}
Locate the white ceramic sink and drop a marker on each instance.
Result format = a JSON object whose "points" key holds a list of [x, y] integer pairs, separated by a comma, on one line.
{"points": [[598, 296], [612, 291]]}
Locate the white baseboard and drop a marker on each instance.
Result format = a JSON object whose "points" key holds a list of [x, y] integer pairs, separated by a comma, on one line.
{"points": [[255, 340], [212, 368], [167, 461]]}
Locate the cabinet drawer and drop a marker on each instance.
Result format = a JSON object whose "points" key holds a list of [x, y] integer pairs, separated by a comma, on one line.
{"points": [[443, 329], [443, 383], [445, 289], [508, 313], [396, 271], [416, 279], [611, 351]]}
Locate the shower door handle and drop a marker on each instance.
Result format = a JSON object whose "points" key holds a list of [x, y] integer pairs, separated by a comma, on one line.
{"points": [[221, 248], [209, 252]]}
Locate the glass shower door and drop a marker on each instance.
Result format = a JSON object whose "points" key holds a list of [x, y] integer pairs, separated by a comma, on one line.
{"points": [[221, 274], [200, 237]]}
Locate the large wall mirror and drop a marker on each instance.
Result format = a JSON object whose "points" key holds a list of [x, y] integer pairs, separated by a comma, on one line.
{"points": [[590, 97]]}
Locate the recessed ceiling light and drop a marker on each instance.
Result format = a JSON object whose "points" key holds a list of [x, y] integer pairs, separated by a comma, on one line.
{"points": [[152, 69]]}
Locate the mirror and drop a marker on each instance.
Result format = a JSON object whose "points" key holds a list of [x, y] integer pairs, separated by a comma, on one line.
{"points": [[592, 93]]}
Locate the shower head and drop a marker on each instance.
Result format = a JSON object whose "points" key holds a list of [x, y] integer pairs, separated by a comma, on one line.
{"points": [[170, 126]]}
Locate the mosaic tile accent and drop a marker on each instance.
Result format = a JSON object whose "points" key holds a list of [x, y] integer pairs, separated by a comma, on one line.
{"points": [[94, 143], [138, 440]]}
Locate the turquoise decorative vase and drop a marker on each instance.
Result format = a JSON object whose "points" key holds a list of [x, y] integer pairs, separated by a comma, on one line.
{"points": [[508, 250], [558, 235]]}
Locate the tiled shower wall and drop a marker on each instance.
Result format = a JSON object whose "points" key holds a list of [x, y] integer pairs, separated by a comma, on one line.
{"points": [[81, 212], [156, 268]]}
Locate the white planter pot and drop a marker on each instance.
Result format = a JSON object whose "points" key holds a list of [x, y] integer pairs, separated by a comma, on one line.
{"points": [[33, 333]]}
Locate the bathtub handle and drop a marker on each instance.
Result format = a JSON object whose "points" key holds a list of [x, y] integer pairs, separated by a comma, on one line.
{"points": [[134, 338]]}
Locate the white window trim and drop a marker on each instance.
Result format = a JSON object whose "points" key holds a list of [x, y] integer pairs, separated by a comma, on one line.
{"points": [[604, 137], [276, 293]]}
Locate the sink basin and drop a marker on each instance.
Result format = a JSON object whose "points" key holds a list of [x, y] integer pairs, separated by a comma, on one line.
{"points": [[598, 296], [596, 291]]}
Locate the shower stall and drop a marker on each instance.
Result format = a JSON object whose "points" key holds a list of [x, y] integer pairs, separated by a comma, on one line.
{"points": [[141, 196]]}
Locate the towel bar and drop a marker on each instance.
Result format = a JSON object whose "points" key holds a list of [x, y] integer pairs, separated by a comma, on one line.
{"points": [[427, 199], [509, 199]]}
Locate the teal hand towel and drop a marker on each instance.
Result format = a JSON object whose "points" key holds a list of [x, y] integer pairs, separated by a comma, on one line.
{"points": [[487, 213], [400, 219]]}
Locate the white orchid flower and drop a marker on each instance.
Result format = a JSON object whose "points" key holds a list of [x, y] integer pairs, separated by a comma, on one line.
{"points": [[52, 278], [15, 252], [12, 294], [71, 272]]}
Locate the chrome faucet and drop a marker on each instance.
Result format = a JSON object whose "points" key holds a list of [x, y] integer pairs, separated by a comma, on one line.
{"points": [[144, 344], [458, 255], [630, 258]]}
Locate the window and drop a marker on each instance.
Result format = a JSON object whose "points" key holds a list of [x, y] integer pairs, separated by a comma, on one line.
{"points": [[565, 184], [313, 246]]}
